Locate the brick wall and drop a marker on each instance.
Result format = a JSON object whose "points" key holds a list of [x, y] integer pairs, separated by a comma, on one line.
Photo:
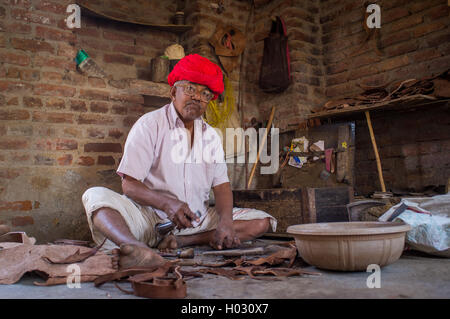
{"points": [[415, 41], [60, 131]]}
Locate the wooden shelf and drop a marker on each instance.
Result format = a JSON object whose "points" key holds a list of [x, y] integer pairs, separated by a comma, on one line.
{"points": [[92, 10], [403, 103]]}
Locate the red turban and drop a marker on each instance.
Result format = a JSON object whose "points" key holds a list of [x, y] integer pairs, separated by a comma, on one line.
{"points": [[197, 69]]}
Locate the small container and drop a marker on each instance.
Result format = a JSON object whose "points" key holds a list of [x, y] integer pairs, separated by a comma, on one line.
{"points": [[88, 66], [179, 18]]}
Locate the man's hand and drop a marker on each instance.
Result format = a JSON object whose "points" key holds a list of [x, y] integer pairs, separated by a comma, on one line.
{"points": [[225, 237], [180, 214]]}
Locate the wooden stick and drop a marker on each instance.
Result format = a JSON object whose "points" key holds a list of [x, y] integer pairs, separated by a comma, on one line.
{"points": [[375, 150], [263, 142]]}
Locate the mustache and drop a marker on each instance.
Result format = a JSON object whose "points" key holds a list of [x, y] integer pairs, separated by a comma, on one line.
{"points": [[193, 104]]}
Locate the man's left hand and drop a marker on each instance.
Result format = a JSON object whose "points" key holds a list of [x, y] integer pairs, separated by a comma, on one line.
{"points": [[225, 237]]}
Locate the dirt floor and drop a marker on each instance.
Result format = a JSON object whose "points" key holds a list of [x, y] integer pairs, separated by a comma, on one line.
{"points": [[414, 275]]}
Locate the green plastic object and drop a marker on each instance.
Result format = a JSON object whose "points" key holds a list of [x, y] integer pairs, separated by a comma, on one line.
{"points": [[81, 56]]}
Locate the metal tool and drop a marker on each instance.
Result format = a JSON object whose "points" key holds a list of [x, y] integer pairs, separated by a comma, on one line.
{"points": [[185, 253], [163, 229]]}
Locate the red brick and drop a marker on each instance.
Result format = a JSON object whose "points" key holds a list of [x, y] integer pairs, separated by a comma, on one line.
{"points": [[99, 107], [106, 160], [394, 14], [96, 82], [118, 58], [65, 160], [115, 133], [63, 144], [392, 38], [86, 161], [14, 58], [95, 133], [95, 44], [128, 49], [31, 45], [30, 101], [438, 12], [19, 205], [17, 27], [135, 98], [9, 115], [437, 40], [423, 55], [14, 87], [20, 157], [55, 103], [29, 75], [119, 109], [95, 119], [401, 49], [56, 77], [55, 35], [22, 221], [13, 144], [53, 117], [429, 147], [72, 132], [50, 89], [393, 63], [94, 95], [77, 105], [428, 28], [89, 32], [130, 120], [13, 101], [103, 147], [43, 160]]}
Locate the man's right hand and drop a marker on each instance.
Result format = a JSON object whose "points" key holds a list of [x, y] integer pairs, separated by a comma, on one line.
{"points": [[179, 213]]}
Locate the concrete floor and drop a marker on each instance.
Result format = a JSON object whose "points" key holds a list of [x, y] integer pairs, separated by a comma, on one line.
{"points": [[412, 276]]}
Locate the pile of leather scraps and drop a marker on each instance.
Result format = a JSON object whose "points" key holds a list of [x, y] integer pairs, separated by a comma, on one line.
{"points": [[437, 86], [19, 255], [261, 269], [169, 280]]}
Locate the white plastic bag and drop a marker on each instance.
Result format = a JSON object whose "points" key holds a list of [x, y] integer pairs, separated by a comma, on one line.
{"points": [[430, 221]]}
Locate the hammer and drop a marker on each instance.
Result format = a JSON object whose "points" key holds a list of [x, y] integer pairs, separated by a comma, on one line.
{"points": [[186, 253]]}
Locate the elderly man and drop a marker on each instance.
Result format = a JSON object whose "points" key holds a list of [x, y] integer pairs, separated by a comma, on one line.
{"points": [[159, 183]]}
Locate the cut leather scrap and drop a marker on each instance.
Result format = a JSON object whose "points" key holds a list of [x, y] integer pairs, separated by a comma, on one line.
{"points": [[161, 288], [276, 258], [156, 282], [16, 261], [229, 273], [77, 257], [17, 237], [71, 242]]}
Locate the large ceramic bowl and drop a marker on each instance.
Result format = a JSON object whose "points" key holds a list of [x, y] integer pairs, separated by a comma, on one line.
{"points": [[350, 246]]}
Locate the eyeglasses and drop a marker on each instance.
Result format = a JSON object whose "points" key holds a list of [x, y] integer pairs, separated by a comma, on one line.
{"points": [[190, 90]]}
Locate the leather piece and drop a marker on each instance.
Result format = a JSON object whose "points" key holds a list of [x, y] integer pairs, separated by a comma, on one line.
{"points": [[16, 261], [152, 282], [76, 257]]}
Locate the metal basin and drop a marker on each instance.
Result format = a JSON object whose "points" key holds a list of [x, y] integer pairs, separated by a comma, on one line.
{"points": [[350, 246]]}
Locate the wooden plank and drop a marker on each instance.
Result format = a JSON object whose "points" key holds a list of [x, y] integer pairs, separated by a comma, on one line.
{"points": [[417, 100]]}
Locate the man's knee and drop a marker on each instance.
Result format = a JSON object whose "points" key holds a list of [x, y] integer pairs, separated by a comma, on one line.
{"points": [[260, 226]]}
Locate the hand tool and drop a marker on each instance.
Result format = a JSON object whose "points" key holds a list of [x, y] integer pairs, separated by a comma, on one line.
{"points": [[185, 253], [164, 228], [235, 252]]}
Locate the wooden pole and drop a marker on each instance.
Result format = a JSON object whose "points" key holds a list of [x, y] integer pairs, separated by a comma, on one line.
{"points": [[263, 142], [375, 150]]}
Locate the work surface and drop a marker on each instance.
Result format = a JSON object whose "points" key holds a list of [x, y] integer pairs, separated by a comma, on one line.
{"points": [[412, 276]]}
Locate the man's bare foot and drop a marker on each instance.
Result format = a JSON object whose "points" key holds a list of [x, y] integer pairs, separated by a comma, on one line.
{"points": [[169, 242], [4, 229], [134, 256]]}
